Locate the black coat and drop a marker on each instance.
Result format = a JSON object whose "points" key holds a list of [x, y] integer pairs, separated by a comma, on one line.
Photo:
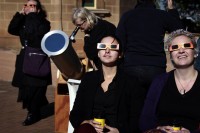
{"points": [[31, 27], [141, 32], [129, 101]]}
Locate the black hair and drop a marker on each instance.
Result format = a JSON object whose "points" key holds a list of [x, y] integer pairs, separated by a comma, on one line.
{"points": [[116, 38]]}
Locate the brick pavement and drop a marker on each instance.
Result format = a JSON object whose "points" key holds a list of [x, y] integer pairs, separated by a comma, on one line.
{"points": [[11, 112]]}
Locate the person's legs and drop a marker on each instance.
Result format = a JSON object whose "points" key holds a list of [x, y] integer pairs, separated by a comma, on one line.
{"points": [[34, 100], [20, 94], [38, 100]]}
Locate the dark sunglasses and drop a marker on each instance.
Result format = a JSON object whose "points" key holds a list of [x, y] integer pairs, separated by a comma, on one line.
{"points": [[178, 46], [107, 45], [31, 5]]}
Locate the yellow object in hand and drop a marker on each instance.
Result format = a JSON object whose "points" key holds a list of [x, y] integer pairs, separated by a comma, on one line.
{"points": [[101, 121], [176, 128]]}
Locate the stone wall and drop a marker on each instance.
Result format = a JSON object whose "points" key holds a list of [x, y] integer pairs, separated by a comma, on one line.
{"points": [[60, 18]]}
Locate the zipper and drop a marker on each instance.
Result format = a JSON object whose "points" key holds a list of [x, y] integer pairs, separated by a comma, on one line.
{"points": [[30, 54]]}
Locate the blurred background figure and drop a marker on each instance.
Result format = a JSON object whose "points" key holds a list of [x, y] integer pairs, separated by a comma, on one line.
{"points": [[141, 31], [94, 28], [172, 101], [197, 61], [30, 25]]}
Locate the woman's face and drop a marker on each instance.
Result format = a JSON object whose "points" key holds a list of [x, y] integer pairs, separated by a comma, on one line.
{"points": [[30, 6], [83, 24], [182, 56], [108, 56]]}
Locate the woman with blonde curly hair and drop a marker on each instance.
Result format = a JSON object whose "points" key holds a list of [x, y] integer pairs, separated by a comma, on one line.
{"points": [[172, 103], [94, 28]]}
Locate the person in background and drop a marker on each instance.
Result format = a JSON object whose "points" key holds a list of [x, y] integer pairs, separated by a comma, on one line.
{"points": [[108, 92], [172, 102], [141, 31], [94, 28], [197, 62], [30, 25]]}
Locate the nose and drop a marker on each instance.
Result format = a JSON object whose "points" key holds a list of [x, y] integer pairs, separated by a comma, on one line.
{"points": [[181, 50], [107, 50]]}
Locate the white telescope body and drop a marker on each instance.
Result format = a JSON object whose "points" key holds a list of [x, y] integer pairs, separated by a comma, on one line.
{"points": [[58, 47]]}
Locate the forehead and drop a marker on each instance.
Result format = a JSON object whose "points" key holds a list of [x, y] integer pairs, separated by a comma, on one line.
{"points": [[32, 2], [181, 39], [109, 40]]}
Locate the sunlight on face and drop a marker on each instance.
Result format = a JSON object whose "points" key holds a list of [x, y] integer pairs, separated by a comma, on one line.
{"points": [[108, 56], [30, 6], [184, 56]]}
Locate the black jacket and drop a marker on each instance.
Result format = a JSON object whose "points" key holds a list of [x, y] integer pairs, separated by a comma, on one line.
{"points": [[130, 98], [31, 27], [142, 30]]}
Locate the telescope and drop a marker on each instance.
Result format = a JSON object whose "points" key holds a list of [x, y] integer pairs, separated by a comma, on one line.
{"points": [[57, 45], [72, 36]]}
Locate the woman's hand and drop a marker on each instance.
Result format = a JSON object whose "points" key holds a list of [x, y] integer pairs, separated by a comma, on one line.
{"points": [[170, 4], [22, 11], [169, 129], [112, 129], [29, 9], [95, 124]]}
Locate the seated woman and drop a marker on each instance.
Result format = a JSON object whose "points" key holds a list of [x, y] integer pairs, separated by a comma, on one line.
{"points": [[109, 92], [172, 103]]}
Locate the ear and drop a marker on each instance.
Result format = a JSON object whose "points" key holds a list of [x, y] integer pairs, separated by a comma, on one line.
{"points": [[98, 54], [170, 56], [38, 10], [195, 56], [120, 55]]}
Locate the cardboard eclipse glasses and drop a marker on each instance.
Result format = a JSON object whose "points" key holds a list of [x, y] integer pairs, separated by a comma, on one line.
{"points": [[107, 45], [178, 46]]}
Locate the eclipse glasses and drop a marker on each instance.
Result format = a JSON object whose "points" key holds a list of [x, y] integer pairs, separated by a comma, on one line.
{"points": [[178, 46], [31, 5], [107, 45]]}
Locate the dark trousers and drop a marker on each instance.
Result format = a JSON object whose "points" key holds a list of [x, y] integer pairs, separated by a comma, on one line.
{"points": [[145, 74], [33, 98]]}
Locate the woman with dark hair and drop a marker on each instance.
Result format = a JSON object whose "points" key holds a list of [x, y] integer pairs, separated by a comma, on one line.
{"points": [[108, 93], [30, 25]]}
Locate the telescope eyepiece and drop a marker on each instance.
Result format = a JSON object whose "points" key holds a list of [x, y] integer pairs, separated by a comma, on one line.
{"points": [[72, 36]]}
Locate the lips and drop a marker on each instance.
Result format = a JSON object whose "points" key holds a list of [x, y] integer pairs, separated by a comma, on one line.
{"points": [[182, 56], [106, 56]]}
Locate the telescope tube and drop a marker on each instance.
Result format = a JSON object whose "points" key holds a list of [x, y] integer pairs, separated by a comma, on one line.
{"points": [[58, 47]]}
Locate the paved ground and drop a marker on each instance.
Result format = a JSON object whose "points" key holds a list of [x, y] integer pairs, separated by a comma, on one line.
{"points": [[11, 113]]}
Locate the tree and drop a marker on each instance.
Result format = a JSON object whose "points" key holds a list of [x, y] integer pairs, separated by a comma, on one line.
{"points": [[189, 11]]}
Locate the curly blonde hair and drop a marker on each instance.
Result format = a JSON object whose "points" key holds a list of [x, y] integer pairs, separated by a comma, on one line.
{"points": [[85, 15], [181, 32]]}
